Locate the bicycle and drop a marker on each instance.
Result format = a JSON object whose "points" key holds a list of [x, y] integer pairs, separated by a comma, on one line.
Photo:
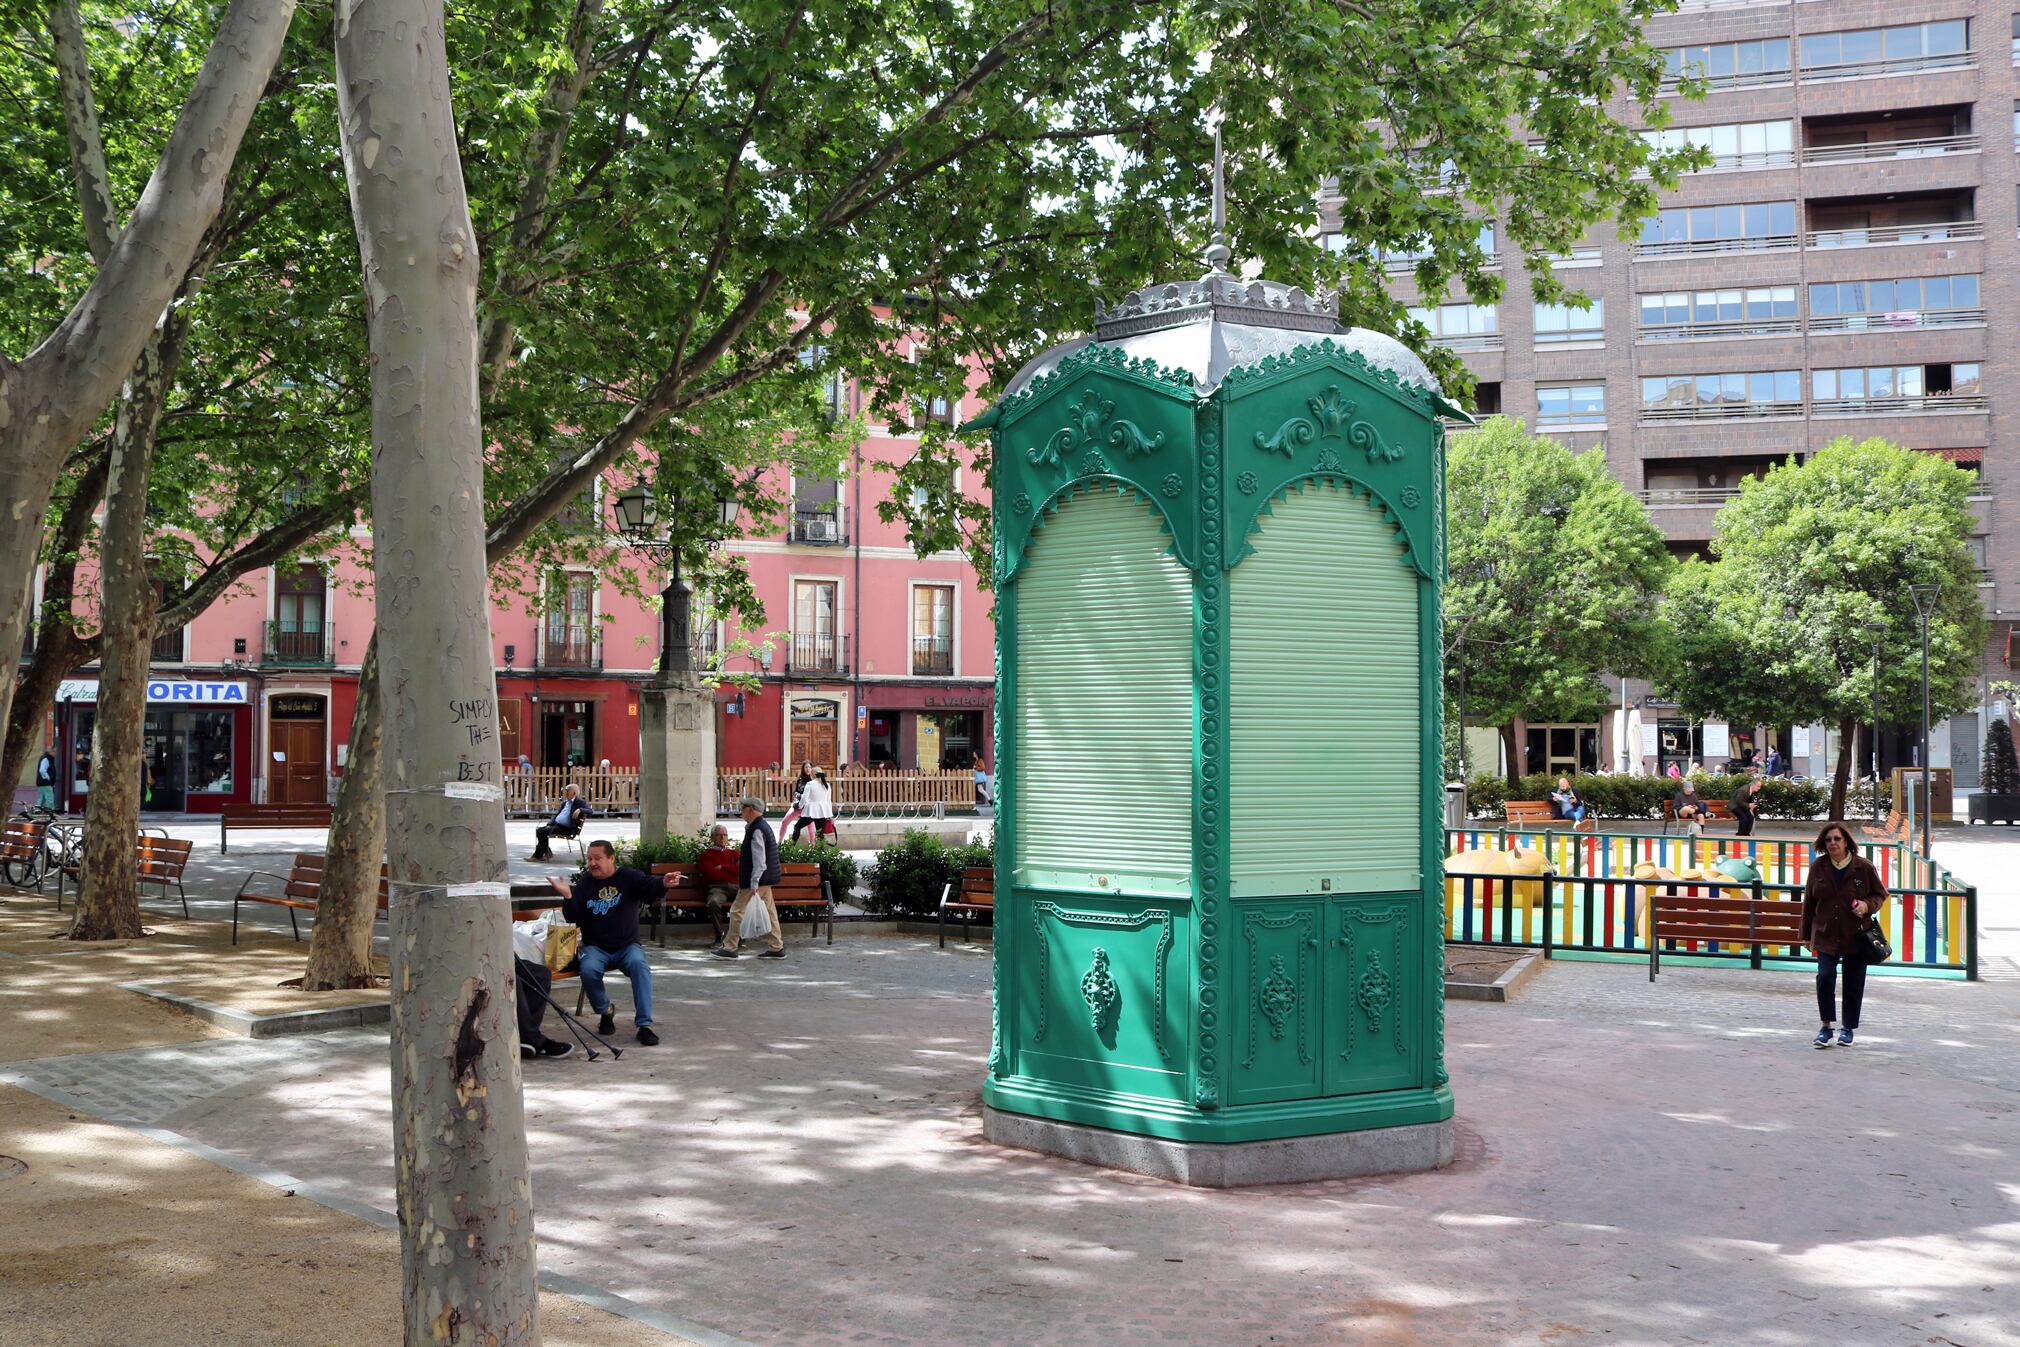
{"points": [[60, 840]]}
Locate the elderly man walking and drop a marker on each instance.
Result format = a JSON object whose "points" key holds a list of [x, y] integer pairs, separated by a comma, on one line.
{"points": [[757, 871]]}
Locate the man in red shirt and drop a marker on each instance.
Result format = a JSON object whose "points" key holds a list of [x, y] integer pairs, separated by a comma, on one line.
{"points": [[719, 873]]}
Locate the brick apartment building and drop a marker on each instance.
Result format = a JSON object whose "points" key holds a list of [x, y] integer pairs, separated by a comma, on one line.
{"points": [[1848, 265]]}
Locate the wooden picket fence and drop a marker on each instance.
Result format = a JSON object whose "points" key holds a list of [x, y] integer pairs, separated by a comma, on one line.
{"points": [[611, 794], [858, 792]]}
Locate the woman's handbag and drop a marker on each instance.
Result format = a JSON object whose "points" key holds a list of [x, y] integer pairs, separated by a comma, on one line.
{"points": [[1873, 942]]}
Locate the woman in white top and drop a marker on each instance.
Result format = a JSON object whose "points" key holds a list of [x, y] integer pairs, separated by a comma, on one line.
{"points": [[818, 806]]}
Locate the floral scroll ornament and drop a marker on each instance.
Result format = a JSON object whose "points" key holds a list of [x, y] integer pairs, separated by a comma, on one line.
{"points": [[1329, 462], [1099, 990], [1173, 484], [1277, 996], [1332, 417], [1247, 483], [1091, 421], [1023, 503], [1411, 496], [1092, 464], [1375, 992]]}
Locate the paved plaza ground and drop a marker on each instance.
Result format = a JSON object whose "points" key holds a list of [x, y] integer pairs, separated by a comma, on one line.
{"points": [[801, 1162]]}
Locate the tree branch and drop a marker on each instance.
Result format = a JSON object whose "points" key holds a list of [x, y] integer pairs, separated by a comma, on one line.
{"points": [[80, 125]]}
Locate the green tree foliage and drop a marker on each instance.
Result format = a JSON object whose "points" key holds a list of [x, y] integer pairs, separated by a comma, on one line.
{"points": [[1554, 578], [1774, 629]]}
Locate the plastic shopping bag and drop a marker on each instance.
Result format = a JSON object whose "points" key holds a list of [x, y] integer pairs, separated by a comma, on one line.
{"points": [[757, 919]]}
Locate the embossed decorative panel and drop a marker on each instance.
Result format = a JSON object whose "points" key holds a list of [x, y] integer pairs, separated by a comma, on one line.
{"points": [[1278, 986], [1374, 1029]]}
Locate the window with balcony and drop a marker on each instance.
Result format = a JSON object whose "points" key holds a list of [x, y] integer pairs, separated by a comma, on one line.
{"points": [[1571, 405], [1904, 48], [1487, 398], [1463, 327], [1727, 65], [1913, 301], [932, 630], [1684, 315], [1402, 258], [568, 624], [1710, 397], [1697, 482], [168, 585], [1557, 324], [1758, 226], [817, 511], [815, 639], [1733, 145], [299, 633], [1935, 217], [1873, 389], [1909, 134]]}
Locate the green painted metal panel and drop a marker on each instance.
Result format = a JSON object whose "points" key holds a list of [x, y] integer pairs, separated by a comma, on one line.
{"points": [[1103, 994], [1375, 993], [1103, 702], [1278, 988], [1324, 702]]}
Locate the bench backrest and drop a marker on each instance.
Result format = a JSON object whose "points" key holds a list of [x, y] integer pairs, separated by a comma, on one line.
{"points": [[687, 880], [798, 879], [305, 878], [276, 813], [163, 857], [1729, 917], [978, 885], [22, 838], [1524, 810]]}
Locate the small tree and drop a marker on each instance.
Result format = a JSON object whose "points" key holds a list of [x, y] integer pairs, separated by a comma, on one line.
{"points": [[1555, 573], [2001, 773]]}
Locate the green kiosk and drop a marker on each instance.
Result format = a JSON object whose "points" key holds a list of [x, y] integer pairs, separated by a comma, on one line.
{"points": [[1219, 541]]}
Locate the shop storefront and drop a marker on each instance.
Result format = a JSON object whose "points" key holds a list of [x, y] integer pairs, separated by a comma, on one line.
{"points": [[197, 751], [931, 728]]}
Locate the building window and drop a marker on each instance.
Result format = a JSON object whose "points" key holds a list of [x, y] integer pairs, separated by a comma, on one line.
{"points": [[1571, 405], [1559, 323], [815, 643], [1912, 301], [1734, 145], [1696, 397], [1728, 65], [1487, 398], [1944, 44], [1751, 227], [1561, 750], [299, 629], [1881, 388], [167, 647], [1462, 327], [1403, 257], [1719, 313], [568, 628], [933, 629], [817, 511]]}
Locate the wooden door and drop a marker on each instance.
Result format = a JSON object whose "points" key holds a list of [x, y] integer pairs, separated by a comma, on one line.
{"points": [[815, 741], [302, 777]]}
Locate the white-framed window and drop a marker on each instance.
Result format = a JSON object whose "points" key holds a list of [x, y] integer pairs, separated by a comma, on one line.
{"points": [[934, 604], [1571, 404], [1560, 323]]}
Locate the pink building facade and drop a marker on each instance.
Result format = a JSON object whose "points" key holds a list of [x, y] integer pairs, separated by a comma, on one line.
{"points": [[874, 655]]}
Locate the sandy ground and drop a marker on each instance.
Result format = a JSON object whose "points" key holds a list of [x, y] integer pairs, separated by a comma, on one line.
{"points": [[109, 1239]]}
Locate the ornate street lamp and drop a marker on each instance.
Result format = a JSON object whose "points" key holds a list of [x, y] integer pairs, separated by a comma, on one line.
{"points": [[1924, 596], [638, 522]]}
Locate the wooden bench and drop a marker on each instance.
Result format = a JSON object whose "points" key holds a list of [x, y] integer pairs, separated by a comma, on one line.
{"points": [[161, 861], [801, 888], [21, 849], [1734, 916], [1894, 830], [300, 890], [689, 893], [243, 816], [976, 895], [1538, 814], [1715, 811]]}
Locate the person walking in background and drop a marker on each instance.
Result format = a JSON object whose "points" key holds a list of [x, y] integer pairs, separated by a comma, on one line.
{"points": [[45, 780], [1843, 891], [757, 870], [795, 818], [1774, 761], [1744, 802], [817, 807]]}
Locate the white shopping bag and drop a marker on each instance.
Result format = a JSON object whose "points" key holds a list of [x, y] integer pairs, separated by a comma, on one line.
{"points": [[757, 920]]}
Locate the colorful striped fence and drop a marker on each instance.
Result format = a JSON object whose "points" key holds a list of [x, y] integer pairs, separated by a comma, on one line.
{"points": [[1590, 901]]}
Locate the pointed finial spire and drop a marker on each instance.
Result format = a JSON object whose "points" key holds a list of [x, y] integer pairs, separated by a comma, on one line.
{"points": [[1217, 254]]}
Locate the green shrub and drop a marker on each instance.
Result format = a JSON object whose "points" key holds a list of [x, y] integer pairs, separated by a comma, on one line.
{"points": [[1616, 795], [642, 855], [906, 879], [1782, 798], [838, 867]]}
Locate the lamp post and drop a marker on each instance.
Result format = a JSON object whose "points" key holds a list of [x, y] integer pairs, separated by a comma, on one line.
{"points": [[1874, 632], [672, 728], [1924, 596]]}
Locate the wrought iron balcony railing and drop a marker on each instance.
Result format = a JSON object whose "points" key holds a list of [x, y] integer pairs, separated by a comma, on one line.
{"points": [[932, 655], [299, 643]]}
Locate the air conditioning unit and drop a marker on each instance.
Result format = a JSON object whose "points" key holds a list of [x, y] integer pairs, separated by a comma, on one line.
{"points": [[819, 529]]}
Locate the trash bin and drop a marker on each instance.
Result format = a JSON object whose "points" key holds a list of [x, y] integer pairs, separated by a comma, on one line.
{"points": [[1455, 804]]}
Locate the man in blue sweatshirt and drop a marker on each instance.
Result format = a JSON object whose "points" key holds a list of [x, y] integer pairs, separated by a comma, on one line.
{"points": [[604, 904], [757, 871]]}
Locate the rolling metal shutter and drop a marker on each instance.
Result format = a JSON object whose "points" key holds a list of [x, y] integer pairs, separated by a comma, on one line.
{"points": [[1104, 707], [1324, 727]]}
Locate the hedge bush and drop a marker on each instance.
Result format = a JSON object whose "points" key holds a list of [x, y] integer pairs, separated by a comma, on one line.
{"points": [[837, 866], [1616, 795], [906, 879]]}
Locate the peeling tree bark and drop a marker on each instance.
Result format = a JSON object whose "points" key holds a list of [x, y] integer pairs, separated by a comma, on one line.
{"points": [[340, 947], [50, 397], [58, 648], [466, 1222], [80, 118]]}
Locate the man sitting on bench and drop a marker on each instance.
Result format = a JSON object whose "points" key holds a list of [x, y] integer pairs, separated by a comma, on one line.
{"points": [[719, 862], [1689, 808], [567, 822], [604, 903]]}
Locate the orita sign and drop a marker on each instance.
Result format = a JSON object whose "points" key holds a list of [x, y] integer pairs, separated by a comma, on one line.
{"points": [[161, 690]]}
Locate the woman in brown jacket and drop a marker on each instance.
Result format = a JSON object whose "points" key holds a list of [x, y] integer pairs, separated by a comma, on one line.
{"points": [[1843, 890]]}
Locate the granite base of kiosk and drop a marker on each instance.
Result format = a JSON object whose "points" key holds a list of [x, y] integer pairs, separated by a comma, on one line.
{"points": [[1239, 1164]]}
